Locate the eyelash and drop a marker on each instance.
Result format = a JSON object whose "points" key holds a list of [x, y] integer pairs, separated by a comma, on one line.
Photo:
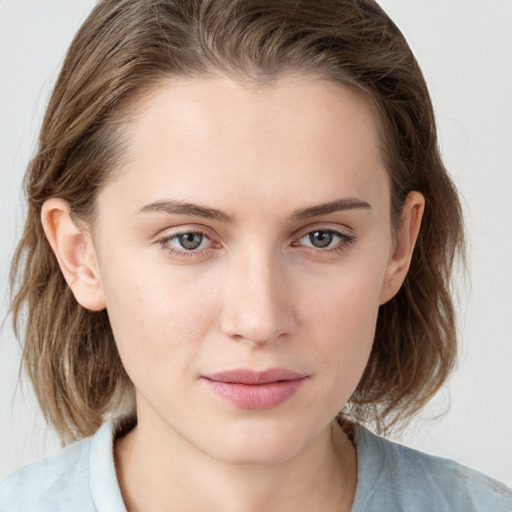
{"points": [[164, 243], [345, 241]]}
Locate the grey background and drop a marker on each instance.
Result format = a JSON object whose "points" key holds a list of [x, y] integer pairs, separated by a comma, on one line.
{"points": [[464, 48]]}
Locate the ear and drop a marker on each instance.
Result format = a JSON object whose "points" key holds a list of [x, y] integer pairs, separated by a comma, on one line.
{"points": [[407, 234], [75, 253]]}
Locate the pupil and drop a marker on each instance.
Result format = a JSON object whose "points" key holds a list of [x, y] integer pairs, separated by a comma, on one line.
{"points": [[191, 240], [321, 238]]}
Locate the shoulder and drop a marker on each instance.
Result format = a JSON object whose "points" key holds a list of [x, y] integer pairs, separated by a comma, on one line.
{"points": [[411, 480], [57, 483], [81, 477]]}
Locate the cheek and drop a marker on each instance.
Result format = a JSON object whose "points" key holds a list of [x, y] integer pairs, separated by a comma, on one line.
{"points": [[347, 300], [161, 314], [158, 316], [342, 318]]}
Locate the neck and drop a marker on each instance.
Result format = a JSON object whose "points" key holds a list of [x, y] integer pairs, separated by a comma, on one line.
{"points": [[167, 475]]}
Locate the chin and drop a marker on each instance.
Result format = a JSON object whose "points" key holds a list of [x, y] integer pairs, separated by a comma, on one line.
{"points": [[268, 454], [259, 443]]}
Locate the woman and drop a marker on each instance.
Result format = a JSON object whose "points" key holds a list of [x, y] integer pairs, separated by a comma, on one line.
{"points": [[239, 225]]}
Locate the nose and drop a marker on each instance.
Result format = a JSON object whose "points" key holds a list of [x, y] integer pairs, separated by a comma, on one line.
{"points": [[258, 304]]}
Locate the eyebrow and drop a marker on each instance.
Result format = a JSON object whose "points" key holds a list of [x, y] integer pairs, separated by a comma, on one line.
{"points": [[348, 203], [174, 207]]}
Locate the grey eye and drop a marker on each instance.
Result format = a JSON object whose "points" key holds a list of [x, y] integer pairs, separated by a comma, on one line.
{"points": [[321, 238], [190, 241], [326, 239]]}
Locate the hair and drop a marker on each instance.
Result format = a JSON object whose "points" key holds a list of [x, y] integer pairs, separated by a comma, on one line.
{"points": [[127, 47]]}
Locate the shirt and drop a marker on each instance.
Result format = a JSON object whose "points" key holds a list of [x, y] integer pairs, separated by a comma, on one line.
{"points": [[391, 478]]}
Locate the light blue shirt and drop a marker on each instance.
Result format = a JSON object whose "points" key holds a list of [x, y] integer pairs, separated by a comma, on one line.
{"points": [[391, 478]]}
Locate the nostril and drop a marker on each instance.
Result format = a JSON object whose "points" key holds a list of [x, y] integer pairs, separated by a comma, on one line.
{"points": [[255, 309], [255, 331]]}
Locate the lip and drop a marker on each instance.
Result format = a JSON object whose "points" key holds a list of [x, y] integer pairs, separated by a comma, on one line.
{"points": [[252, 389]]}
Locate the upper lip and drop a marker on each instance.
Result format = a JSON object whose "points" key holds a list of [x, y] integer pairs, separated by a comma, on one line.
{"points": [[254, 377]]}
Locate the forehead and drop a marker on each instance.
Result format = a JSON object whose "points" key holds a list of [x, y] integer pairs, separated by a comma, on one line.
{"points": [[203, 137], [222, 106]]}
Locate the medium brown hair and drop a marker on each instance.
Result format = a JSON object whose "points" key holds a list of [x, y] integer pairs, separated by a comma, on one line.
{"points": [[126, 47]]}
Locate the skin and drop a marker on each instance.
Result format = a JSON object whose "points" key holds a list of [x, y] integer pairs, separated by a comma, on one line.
{"points": [[256, 294]]}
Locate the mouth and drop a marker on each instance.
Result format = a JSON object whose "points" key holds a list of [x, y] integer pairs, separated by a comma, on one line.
{"points": [[253, 390]]}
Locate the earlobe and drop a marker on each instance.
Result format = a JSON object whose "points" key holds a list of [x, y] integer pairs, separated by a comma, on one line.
{"points": [[407, 234], [75, 253]]}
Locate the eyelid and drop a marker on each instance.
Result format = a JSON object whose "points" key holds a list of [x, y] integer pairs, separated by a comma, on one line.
{"points": [[346, 236], [344, 231], [172, 233], [184, 229]]}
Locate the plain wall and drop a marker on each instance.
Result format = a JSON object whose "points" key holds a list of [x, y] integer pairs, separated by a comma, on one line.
{"points": [[465, 52]]}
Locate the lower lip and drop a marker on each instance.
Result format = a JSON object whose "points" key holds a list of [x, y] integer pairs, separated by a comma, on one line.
{"points": [[260, 396]]}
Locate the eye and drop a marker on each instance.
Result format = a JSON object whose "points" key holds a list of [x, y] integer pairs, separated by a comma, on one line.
{"points": [[186, 243], [189, 241], [325, 239], [320, 239]]}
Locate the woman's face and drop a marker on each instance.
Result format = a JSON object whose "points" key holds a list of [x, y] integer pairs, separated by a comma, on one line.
{"points": [[248, 231]]}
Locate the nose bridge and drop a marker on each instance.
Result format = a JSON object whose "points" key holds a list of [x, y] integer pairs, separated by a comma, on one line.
{"points": [[256, 306]]}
